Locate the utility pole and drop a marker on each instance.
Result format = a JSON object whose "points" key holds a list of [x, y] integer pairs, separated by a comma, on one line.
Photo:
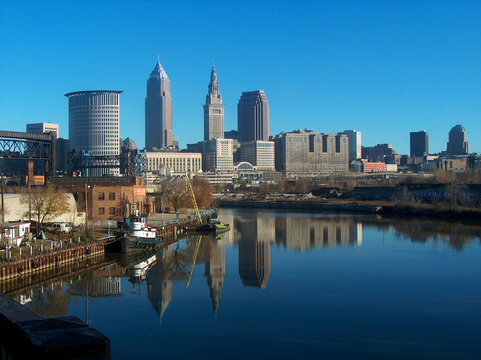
{"points": [[3, 205], [86, 209]]}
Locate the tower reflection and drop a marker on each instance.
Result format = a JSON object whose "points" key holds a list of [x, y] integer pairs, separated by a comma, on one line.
{"points": [[159, 282], [215, 269], [254, 236]]}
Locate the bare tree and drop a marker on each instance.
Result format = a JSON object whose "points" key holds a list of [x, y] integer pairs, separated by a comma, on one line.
{"points": [[46, 202], [174, 193]]}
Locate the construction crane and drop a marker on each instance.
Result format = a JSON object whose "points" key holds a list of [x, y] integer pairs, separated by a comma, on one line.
{"points": [[194, 203], [194, 258]]}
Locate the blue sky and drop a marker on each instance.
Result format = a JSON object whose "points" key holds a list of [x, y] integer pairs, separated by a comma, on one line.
{"points": [[384, 68]]}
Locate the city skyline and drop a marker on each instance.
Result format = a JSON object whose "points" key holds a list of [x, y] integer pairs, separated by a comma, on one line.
{"points": [[383, 68]]}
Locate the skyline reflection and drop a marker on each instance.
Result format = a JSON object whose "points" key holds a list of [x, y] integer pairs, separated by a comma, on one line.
{"points": [[254, 233]]}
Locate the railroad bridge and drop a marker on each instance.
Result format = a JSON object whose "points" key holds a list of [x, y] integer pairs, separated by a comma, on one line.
{"points": [[16, 145]]}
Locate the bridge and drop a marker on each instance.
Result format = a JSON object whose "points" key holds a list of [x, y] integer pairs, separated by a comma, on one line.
{"points": [[16, 145]]}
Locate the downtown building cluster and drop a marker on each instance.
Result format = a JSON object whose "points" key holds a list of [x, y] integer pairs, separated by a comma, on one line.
{"points": [[249, 153]]}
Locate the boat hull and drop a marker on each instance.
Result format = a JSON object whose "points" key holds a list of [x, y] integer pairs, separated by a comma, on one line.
{"points": [[208, 228], [131, 243]]}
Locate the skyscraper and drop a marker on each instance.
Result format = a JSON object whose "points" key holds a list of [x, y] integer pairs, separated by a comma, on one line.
{"points": [[93, 118], [213, 110], [158, 110], [419, 143], [253, 116], [354, 137], [457, 144]]}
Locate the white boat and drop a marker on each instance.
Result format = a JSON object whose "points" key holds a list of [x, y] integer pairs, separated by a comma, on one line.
{"points": [[139, 271], [138, 236]]}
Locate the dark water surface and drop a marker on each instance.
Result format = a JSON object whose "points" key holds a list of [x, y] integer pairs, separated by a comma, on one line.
{"points": [[288, 285]]}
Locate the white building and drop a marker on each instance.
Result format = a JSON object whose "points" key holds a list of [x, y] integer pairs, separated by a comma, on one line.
{"points": [[217, 155], [258, 153], [169, 162], [43, 128], [93, 118]]}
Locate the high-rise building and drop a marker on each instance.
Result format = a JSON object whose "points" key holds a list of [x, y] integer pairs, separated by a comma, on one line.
{"points": [[93, 118], [354, 138], [158, 110], [43, 128], [457, 144], [381, 152], [306, 151], [213, 110], [217, 155], [419, 143], [258, 153], [253, 116]]}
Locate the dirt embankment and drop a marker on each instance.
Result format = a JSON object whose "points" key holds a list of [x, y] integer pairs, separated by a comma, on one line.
{"points": [[353, 206]]}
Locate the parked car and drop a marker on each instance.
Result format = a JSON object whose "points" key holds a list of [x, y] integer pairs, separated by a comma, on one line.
{"points": [[61, 227]]}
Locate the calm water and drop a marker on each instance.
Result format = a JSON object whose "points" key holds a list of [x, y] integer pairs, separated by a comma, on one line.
{"points": [[289, 285]]}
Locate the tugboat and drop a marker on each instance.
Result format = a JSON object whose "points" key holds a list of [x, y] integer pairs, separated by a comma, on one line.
{"points": [[138, 236]]}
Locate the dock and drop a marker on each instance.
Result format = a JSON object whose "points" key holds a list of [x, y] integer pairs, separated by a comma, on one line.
{"points": [[26, 335]]}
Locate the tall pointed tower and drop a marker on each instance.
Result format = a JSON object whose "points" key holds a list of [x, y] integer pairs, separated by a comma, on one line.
{"points": [[158, 110], [213, 110]]}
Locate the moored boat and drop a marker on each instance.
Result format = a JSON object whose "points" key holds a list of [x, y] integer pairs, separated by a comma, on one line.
{"points": [[138, 236]]}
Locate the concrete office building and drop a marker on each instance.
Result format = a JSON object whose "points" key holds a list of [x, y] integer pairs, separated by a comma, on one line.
{"points": [[418, 143], [457, 144], [213, 110], [253, 116], [309, 152], [170, 162], [43, 128], [158, 111], [258, 153], [354, 144], [94, 124], [217, 155], [381, 152]]}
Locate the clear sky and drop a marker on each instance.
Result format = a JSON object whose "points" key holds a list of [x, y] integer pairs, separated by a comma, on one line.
{"points": [[384, 68]]}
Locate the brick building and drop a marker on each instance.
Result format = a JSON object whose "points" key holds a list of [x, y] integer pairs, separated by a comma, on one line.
{"points": [[107, 197]]}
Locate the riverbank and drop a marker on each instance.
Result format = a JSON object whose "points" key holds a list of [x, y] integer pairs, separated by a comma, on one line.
{"points": [[352, 206]]}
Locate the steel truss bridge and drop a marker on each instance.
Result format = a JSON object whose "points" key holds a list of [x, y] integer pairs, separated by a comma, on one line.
{"points": [[26, 146], [80, 161]]}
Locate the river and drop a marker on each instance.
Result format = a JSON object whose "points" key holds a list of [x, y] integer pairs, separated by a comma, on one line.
{"points": [[286, 285]]}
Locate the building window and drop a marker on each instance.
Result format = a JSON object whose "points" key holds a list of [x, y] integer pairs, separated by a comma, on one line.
{"points": [[101, 196], [101, 211], [111, 211], [111, 196]]}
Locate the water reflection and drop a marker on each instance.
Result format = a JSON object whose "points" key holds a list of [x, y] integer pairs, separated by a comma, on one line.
{"points": [[254, 232], [159, 282], [254, 236], [215, 269]]}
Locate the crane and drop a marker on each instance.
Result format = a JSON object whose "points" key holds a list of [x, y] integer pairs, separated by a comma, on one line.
{"points": [[192, 195], [194, 258]]}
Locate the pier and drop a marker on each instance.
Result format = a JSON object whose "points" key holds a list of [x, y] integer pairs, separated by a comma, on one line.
{"points": [[53, 258]]}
